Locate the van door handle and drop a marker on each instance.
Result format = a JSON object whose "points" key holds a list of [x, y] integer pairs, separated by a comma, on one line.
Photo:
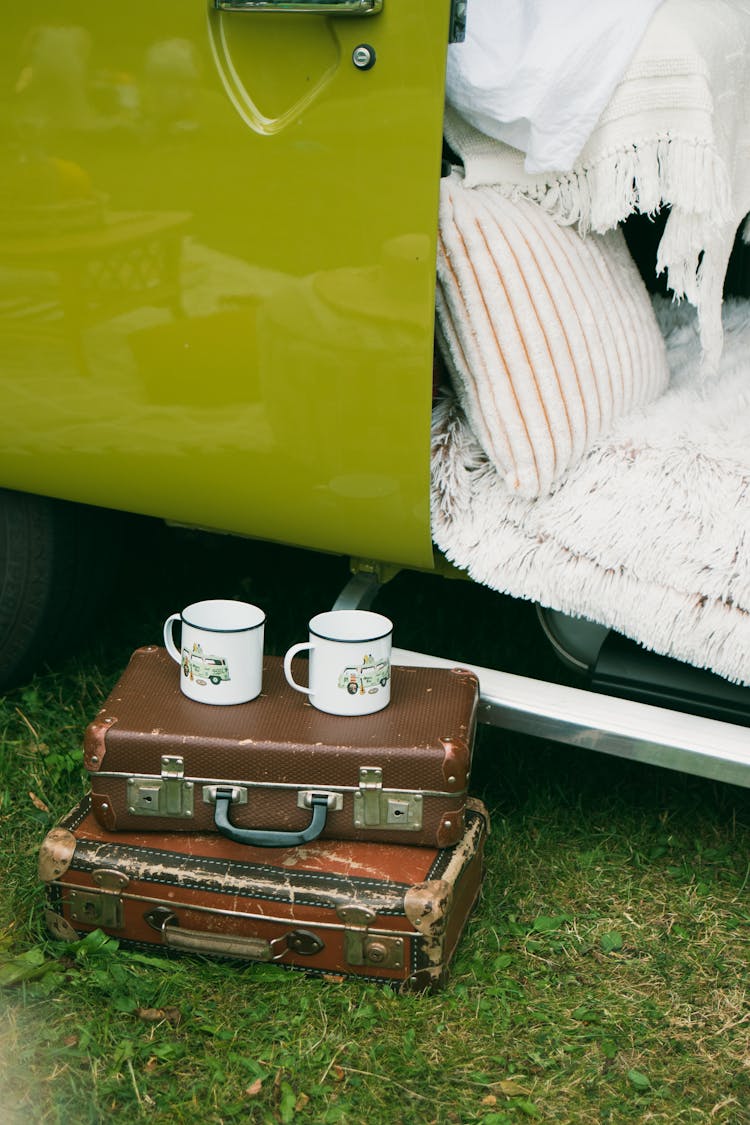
{"points": [[321, 7]]}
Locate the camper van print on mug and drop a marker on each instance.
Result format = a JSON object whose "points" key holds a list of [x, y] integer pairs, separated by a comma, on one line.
{"points": [[369, 676], [202, 667], [350, 662]]}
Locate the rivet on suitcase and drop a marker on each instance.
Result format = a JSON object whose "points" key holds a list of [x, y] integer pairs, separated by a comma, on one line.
{"points": [[375, 911], [276, 772]]}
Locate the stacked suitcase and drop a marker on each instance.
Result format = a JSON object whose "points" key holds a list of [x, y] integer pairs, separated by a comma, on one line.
{"points": [[271, 831]]}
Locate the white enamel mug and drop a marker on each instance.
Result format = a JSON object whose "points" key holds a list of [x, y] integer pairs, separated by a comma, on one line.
{"points": [[221, 650], [350, 662]]}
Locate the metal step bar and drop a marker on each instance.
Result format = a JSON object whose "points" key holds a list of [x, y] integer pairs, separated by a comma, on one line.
{"points": [[621, 727], [639, 731]]}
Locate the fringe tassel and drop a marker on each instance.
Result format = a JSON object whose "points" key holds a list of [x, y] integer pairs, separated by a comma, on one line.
{"points": [[662, 171], [685, 175]]}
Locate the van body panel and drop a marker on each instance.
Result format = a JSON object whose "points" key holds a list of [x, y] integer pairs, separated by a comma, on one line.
{"points": [[217, 263]]}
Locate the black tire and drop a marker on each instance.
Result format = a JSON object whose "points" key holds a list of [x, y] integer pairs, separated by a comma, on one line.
{"points": [[352, 689], [53, 573]]}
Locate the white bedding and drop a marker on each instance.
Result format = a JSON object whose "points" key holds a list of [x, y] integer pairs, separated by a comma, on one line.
{"points": [[538, 73], [675, 132], [650, 534]]}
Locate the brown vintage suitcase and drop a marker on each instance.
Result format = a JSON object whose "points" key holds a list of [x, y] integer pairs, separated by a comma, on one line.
{"points": [[382, 912], [276, 772]]}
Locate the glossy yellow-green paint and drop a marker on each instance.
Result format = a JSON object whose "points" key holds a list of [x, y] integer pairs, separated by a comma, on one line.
{"points": [[217, 251]]}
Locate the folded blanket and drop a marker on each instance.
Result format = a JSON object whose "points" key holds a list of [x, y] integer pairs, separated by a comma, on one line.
{"points": [[676, 132], [649, 534]]}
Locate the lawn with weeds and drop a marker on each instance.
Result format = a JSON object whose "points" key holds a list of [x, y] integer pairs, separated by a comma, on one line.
{"points": [[603, 976]]}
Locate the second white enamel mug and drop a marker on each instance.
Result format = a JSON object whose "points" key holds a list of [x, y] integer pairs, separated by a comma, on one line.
{"points": [[350, 662]]}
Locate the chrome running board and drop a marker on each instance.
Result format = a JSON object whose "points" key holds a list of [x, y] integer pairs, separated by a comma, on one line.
{"points": [[622, 727]]}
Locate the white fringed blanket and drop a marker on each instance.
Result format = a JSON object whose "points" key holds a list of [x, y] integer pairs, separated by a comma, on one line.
{"points": [[675, 132], [537, 74], [650, 534]]}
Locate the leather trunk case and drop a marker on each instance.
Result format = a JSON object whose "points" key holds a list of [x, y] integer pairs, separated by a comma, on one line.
{"points": [[277, 772], [383, 912]]}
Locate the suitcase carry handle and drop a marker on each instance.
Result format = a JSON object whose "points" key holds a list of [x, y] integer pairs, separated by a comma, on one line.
{"points": [[262, 838], [230, 945]]}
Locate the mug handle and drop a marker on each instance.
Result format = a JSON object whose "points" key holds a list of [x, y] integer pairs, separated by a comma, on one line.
{"points": [[169, 639], [292, 652]]}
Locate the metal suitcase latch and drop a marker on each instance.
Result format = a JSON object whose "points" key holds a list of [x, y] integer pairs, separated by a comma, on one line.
{"points": [[96, 909], [109, 879], [165, 796], [376, 807], [380, 951]]}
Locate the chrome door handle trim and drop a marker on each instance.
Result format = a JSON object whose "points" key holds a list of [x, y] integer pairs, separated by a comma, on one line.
{"points": [[320, 7]]}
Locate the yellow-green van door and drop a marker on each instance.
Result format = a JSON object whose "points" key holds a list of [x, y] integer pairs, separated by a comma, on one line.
{"points": [[217, 251]]}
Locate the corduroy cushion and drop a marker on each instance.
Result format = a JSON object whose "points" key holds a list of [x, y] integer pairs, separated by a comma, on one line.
{"points": [[549, 337]]}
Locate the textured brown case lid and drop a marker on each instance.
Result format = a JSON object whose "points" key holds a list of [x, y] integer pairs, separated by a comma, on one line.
{"points": [[423, 738]]}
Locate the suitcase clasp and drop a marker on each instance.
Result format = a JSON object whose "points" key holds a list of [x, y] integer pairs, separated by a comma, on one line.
{"points": [[376, 807], [378, 950], [168, 795], [96, 909]]}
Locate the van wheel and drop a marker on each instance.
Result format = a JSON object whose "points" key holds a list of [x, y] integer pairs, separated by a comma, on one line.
{"points": [[53, 571]]}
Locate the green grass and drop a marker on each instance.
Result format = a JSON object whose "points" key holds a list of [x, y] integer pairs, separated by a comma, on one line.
{"points": [[602, 978]]}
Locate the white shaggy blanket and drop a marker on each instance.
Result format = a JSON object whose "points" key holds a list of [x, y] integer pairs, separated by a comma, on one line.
{"points": [[650, 534]]}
